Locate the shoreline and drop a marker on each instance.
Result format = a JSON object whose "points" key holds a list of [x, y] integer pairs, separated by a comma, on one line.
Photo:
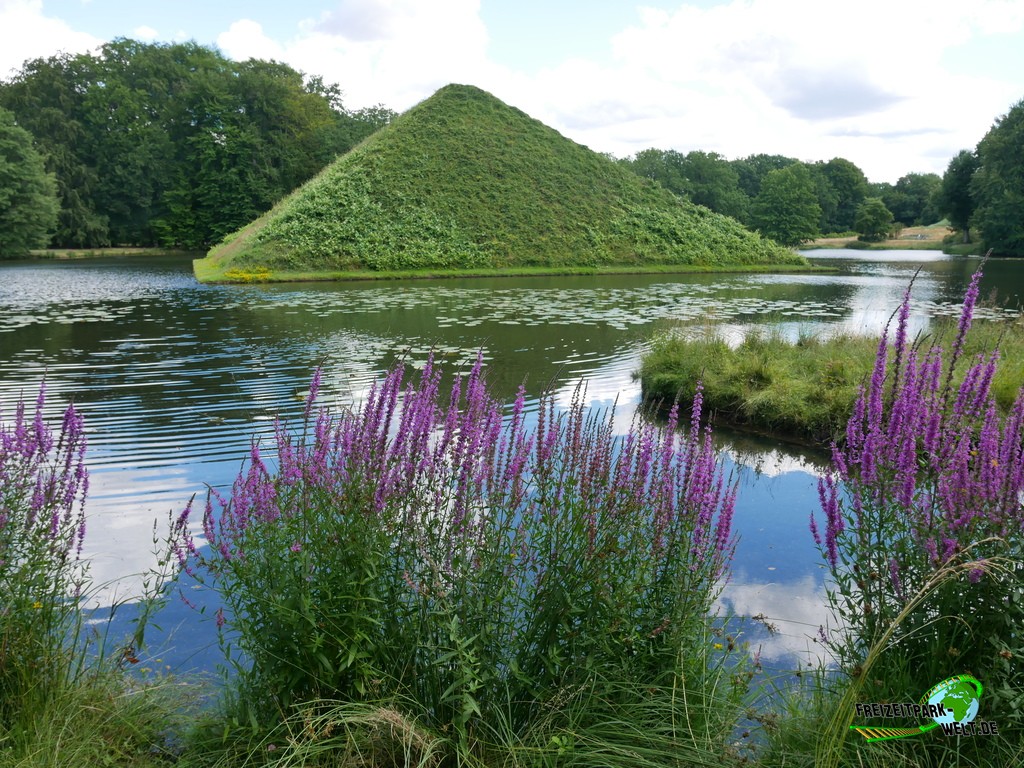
{"points": [[207, 274], [69, 254]]}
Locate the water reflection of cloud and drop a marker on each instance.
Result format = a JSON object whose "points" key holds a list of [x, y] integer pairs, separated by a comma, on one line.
{"points": [[608, 383], [794, 610], [119, 544], [773, 462], [901, 256]]}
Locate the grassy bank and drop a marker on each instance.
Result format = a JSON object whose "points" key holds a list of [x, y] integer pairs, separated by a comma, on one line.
{"points": [[463, 181], [207, 273], [802, 390], [95, 253], [934, 237]]}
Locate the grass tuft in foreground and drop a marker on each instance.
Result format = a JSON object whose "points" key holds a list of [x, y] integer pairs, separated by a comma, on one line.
{"points": [[62, 702], [920, 529]]}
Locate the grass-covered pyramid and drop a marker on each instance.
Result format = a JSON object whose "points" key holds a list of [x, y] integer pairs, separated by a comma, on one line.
{"points": [[462, 181]]}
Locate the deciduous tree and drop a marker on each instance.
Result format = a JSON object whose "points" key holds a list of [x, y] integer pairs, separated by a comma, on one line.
{"points": [[174, 143], [752, 169], [955, 200], [786, 209], [998, 186], [850, 186], [873, 220], [912, 199], [712, 182], [28, 194]]}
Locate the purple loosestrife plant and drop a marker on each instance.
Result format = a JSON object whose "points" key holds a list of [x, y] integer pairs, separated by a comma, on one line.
{"points": [[929, 478], [43, 485], [433, 547]]}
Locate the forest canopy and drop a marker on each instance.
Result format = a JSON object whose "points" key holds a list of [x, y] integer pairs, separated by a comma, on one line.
{"points": [[28, 194], [175, 144], [982, 190]]}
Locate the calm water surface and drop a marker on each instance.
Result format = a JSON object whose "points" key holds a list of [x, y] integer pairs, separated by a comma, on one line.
{"points": [[175, 377]]}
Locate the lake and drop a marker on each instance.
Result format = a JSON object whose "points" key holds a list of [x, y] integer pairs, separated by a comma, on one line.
{"points": [[174, 379]]}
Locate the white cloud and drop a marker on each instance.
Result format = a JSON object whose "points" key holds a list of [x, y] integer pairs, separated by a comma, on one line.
{"points": [[812, 79], [26, 33], [794, 609], [393, 51], [245, 39], [147, 34]]}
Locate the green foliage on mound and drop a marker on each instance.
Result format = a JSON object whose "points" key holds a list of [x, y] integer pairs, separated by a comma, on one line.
{"points": [[464, 181]]}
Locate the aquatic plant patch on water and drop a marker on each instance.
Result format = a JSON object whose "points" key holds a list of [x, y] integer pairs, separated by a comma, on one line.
{"points": [[488, 577]]}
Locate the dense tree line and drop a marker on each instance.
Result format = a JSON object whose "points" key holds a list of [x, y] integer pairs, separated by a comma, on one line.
{"points": [[789, 200], [983, 188], [174, 144], [996, 188], [793, 201]]}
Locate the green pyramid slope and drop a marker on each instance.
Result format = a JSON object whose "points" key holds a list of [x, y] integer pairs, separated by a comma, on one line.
{"points": [[463, 181]]}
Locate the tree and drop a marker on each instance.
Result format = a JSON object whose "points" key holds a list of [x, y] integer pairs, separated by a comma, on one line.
{"points": [[174, 143], [711, 181], [911, 200], [828, 198], [704, 178], [47, 98], [850, 187], [664, 167], [955, 200], [752, 169], [873, 220], [786, 209], [28, 194], [998, 185]]}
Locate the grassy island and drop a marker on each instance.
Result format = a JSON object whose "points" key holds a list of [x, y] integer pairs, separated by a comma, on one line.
{"points": [[461, 183], [801, 390]]}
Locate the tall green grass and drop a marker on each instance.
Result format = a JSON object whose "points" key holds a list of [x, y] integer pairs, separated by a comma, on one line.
{"points": [[428, 581], [63, 700], [803, 389], [921, 529]]}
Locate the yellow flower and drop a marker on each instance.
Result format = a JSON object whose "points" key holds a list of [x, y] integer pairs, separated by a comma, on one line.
{"points": [[718, 646], [37, 605]]}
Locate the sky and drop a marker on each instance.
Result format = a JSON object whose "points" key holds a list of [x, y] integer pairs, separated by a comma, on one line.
{"points": [[896, 86]]}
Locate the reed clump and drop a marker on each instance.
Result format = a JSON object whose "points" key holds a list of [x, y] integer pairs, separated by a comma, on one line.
{"points": [[803, 389]]}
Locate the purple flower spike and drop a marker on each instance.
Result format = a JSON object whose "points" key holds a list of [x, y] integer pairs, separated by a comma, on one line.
{"points": [[931, 473]]}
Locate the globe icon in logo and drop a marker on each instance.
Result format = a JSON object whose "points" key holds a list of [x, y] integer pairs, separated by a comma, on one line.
{"points": [[959, 697]]}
